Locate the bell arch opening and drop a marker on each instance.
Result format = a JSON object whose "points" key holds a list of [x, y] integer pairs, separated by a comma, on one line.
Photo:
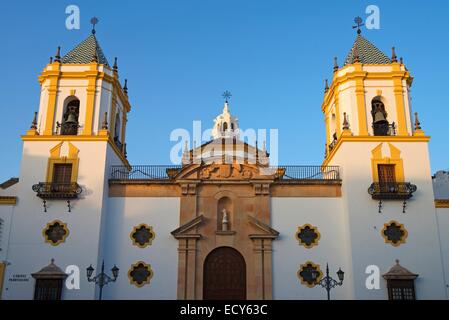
{"points": [[117, 130], [70, 116], [381, 126]]}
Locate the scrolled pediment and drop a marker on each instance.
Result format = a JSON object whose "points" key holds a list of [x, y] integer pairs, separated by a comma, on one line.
{"points": [[234, 171]]}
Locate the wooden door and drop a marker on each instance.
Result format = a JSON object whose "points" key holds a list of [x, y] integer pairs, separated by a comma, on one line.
{"points": [[224, 276]]}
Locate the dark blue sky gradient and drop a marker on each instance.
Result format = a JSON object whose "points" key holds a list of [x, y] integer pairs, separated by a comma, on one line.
{"points": [[179, 56]]}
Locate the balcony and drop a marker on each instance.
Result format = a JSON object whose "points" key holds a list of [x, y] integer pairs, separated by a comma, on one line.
{"points": [[168, 172], [392, 190], [53, 190]]}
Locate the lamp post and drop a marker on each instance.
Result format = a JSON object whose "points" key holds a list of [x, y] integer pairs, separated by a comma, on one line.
{"points": [[102, 278], [327, 282]]}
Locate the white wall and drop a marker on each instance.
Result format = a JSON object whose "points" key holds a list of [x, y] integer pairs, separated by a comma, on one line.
{"points": [[421, 252], [28, 252], [163, 215], [324, 213]]}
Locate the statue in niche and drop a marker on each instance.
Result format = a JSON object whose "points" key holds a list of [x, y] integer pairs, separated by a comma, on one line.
{"points": [[225, 221]]}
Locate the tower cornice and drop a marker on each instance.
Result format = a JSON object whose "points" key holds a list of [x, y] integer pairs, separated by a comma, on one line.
{"points": [[85, 75], [347, 138], [365, 75]]}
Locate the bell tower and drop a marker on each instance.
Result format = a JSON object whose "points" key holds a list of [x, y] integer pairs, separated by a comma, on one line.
{"points": [[82, 97], [382, 151], [77, 134], [369, 96]]}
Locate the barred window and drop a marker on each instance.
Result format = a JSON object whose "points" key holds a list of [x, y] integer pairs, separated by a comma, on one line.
{"points": [[401, 289]]}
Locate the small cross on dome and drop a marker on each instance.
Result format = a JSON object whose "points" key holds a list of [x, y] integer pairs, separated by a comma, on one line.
{"points": [[226, 95]]}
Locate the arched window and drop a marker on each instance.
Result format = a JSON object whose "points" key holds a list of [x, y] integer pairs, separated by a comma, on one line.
{"points": [[117, 130], [225, 127], [232, 126], [70, 124], [224, 214], [381, 126]]}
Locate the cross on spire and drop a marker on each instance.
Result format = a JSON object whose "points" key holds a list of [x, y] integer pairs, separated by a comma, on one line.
{"points": [[93, 22], [226, 95], [359, 23]]}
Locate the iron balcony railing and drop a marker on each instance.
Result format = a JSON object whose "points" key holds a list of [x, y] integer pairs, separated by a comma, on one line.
{"points": [[164, 172], [54, 190], [309, 172], [392, 190], [142, 172]]}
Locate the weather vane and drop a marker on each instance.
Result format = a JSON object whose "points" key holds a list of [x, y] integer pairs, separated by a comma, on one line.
{"points": [[359, 23], [94, 21], [226, 95]]}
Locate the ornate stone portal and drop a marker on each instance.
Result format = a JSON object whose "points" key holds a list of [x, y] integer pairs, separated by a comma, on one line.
{"points": [[224, 206]]}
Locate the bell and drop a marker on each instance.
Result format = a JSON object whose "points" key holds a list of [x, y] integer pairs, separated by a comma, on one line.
{"points": [[71, 118], [379, 116]]}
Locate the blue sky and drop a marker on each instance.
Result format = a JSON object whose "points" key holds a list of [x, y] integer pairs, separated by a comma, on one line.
{"points": [[179, 56]]}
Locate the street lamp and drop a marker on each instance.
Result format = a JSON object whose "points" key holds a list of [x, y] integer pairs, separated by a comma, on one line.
{"points": [[327, 282], [102, 278]]}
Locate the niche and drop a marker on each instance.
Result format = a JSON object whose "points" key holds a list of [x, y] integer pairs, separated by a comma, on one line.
{"points": [[224, 214]]}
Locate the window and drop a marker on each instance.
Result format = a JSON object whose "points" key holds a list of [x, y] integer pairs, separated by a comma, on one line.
{"points": [[48, 289], [308, 236], [401, 290], [305, 274], [55, 232], [62, 173], [117, 127], [140, 274], [394, 233], [142, 235], [118, 132], [62, 178], [225, 126], [386, 173], [49, 282], [400, 283]]}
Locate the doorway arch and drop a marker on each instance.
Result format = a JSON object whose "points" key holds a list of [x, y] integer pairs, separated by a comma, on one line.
{"points": [[224, 275]]}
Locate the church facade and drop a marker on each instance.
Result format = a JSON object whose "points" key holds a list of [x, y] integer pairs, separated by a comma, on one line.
{"points": [[226, 223]]}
